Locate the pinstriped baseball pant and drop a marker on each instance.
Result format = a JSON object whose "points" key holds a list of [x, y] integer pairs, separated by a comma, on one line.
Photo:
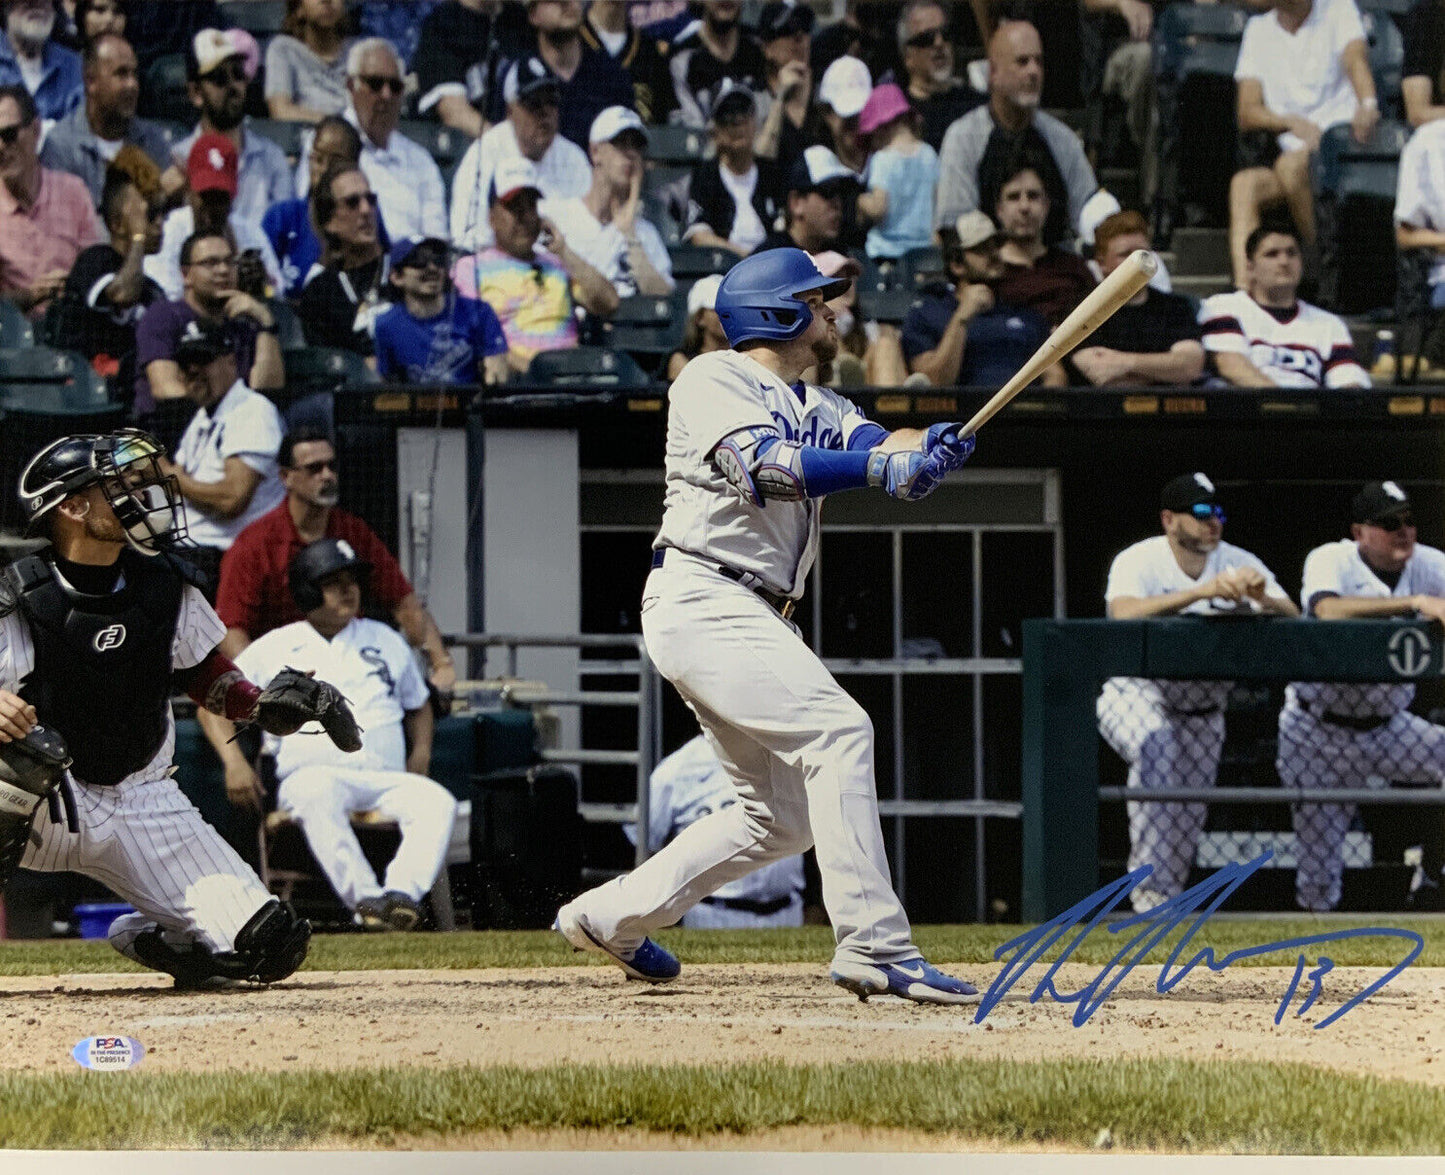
{"points": [[798, 749], [147, 842]]}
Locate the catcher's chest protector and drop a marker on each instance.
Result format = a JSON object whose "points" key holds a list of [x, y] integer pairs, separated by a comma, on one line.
{"points": [[102, 673]]}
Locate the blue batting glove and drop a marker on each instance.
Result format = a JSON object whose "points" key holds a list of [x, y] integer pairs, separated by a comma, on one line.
{"points": [[907, 474]]}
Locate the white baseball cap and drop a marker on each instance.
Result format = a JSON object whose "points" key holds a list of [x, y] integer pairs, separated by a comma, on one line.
{"points": [[703, 295], [614, 121], [515, 173], [845, 86], [1097, 209]]}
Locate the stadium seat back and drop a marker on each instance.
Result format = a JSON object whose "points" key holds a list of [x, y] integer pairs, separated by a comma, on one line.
{"points": [[676, 145], [693, 261], [163, 90], [587, 367], [1198, 39], [15, 328], [922, 266], [286, 135], [289, 335], [1344, 168], [443, 143], [1388, 7], [324, 369], [647, 325], [261, 18], [886, 305], [50, 380]]}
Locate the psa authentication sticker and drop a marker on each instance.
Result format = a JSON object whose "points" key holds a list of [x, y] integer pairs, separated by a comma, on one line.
{"points": [[108, 1052]]}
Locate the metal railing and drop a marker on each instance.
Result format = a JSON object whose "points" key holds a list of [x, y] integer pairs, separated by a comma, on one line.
{"points": [[647, 698]]}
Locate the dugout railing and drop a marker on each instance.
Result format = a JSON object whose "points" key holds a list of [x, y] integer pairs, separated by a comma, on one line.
{"points": [[1065, 664]]}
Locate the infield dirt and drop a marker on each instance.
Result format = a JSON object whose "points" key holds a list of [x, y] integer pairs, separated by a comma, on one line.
{"points": [[715, 1014]]}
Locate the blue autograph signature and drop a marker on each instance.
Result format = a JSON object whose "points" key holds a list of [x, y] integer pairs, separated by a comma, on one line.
{"points": [[1154, 926]]}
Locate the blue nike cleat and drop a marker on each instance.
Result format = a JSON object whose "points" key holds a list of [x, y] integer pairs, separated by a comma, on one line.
{"points": [[912, 979], [647, 961]]}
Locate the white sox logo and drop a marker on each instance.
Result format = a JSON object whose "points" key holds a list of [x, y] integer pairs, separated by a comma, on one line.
{"points": [[1409, 652], [110, 637]]}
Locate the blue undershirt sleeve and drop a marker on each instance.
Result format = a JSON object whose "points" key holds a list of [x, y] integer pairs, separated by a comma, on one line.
{"points": [[826, 471], [867, 436]]}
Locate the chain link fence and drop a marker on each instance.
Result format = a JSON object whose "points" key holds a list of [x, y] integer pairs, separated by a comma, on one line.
{"points": [[1210, 771]]}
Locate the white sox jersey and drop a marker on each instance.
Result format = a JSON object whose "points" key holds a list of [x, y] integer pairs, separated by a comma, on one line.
{"points": [[198, 631], [1304, 347], [372, 667], [717, 394], [1149, 568], [1337, 569], [690, 784]]}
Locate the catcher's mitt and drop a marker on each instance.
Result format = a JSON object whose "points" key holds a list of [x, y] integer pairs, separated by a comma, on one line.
{"points": [[293, 699]]}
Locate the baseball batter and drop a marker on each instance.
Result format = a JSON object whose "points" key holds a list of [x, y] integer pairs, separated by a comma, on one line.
{"points": [[1340, 735], [750, 454], [320, 785], [95, 632], [1171, 732]]}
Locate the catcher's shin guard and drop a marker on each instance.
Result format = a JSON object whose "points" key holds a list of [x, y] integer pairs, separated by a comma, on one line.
{"points": [[271, 945], [30, 770]]}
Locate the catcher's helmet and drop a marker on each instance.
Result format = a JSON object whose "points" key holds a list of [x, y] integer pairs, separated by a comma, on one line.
{"points": [[314, 562], [125, 464], [759, 296]]}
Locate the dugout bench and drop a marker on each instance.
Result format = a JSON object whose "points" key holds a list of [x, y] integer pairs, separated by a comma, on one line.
{"points": [[1065, 663]]}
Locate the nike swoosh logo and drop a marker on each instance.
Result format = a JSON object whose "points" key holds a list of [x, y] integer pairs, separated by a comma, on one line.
{"points": [[917, 973]]}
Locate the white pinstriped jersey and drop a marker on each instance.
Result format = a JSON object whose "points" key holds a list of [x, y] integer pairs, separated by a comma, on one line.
{"points": [[1337, 569], [717, 394], [370, 664], [1302, 348], [198, 631]]}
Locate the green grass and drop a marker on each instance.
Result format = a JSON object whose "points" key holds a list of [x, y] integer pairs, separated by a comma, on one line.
{"points": [[1170, 1105], [966, 945]]}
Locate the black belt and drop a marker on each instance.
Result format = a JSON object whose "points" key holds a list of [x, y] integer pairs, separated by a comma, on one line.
{"points": [[1363, 724], [748, 906], [783, 605]]}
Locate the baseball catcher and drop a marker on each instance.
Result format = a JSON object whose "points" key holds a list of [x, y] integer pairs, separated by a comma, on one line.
{"points": [[97, 631]]}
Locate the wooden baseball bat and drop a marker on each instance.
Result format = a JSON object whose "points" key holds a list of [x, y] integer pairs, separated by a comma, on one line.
{"points": [[1104, 299]]}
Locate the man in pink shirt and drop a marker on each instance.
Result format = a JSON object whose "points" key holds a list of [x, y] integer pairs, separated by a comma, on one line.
{"points": [[46, 217]]}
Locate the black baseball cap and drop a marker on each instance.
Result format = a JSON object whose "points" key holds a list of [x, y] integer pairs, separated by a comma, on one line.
{"points": [[202, 341], [1186, 491], [735, 102], [784, 20], [530, 81], [1379, 499], [818, 169]]}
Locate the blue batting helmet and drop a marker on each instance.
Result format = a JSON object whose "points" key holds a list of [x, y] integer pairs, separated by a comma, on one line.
{"points": [[759, 296]]}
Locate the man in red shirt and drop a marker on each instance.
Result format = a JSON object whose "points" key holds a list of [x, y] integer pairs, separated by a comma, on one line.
{"points": [[255, 597]]}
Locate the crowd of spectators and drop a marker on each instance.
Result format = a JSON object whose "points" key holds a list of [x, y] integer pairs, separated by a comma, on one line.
{"points": [[909, 137]]}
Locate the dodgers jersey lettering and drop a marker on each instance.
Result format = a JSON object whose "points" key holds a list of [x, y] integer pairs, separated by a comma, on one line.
{"points": [[1336, 569], [717, 394]]}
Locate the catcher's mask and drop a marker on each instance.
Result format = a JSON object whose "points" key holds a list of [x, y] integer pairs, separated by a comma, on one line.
{"points": [[125, 464], [316, 562]]}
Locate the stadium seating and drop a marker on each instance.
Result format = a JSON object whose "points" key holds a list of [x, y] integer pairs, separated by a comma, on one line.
{"points": [[587, 368], [42, 379], [693, 261], [289, 335], [261, 18], [443, 143], [324, 369], [163, 91], [646, 327], [675, 145], [922, 266], [15, 328], [289, 136], [1355, 196], [890, 305]]}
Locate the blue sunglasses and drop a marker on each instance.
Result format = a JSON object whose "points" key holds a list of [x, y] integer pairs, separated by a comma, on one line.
{"points": [[1207, 510]]}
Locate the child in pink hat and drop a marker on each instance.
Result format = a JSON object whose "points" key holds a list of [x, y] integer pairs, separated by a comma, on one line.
{"points": [[902, 175]]}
